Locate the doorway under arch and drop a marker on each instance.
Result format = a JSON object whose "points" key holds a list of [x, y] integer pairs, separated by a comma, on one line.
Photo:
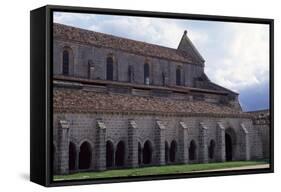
{"points": [[230, 142], [173, 151], [85, 156], [120, 154], [211, 149], [147, 152], [192, 150], [228, 147], [109, 154], [71, 156]]}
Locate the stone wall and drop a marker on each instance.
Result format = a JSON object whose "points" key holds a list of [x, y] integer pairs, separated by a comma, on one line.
{"points": [[83, 56], [261, 122], [156, 129]]}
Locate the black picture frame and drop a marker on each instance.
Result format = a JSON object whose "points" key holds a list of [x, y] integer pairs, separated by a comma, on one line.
{"points": [[41, 92]]}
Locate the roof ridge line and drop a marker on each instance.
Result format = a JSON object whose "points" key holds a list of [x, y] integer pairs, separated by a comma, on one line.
{"points": [[119, 37], [122, 43]]}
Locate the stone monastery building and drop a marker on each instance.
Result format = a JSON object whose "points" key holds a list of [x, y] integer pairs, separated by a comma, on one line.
{"points": [[121, 103]]}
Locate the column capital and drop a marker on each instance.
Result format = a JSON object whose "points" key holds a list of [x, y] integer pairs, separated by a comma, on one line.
{"points": [[203, 126], [64, 124], [244, 129], [220, 125], [132, 124], [160, 124], [183, 125], [100, 124]]}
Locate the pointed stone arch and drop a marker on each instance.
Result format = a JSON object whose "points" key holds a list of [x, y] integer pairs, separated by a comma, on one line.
{"points": [[120, 154], [211, 149], [147, 152], [173, 151], [146, 73], [179, 75], [111, 67], [109, 154], [67, 65], [72, 153], [230, 144], [85, 155]]}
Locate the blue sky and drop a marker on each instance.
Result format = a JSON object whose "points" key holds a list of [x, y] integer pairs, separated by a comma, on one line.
{"points": [[236, 54]]}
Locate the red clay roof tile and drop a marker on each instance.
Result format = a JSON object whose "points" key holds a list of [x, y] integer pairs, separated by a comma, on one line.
{"points": [[73, 100], [65, 32]]}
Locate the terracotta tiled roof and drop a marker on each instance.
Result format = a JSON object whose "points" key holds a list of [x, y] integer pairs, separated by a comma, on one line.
{"points": [[65, 32], [75, 100]]}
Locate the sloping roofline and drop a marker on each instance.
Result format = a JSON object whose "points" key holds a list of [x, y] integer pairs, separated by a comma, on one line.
{"points": [[70, 33]]}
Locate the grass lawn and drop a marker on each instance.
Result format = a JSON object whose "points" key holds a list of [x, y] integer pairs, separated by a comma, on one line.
{"points": [[156, 170]]}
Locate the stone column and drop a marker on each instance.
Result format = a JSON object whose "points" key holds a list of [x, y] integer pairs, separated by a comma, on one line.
{"points": [[203, 145], [63, 147], [100, 146], [183, 139], [244, 143], [160, 142], [132, 144], [220, 146]]}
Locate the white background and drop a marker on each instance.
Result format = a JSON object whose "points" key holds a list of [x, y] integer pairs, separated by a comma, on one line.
{"points": [[14, 97]]}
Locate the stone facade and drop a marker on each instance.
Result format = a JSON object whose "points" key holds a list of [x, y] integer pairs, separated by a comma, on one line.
{"points": [[124, 103], [261, 122]]}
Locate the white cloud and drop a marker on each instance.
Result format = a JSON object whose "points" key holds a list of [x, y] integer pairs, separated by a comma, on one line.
{"points": [[165, 32], [74, 19], [245, 62]]}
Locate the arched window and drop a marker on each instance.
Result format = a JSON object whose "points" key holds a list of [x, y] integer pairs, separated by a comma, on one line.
{"points": [[173, 151], [71, 156], [211, 149], [178, 76], [163, 78], [90, 69], [85, 156], [192, 150], [147, 152], [109, 68], [146, 73], [109, 154], [130, 73], [120, 154], [65, 62]]}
